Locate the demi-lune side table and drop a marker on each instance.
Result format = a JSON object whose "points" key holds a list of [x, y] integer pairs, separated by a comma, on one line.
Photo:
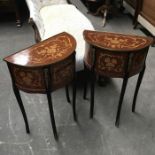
{"points": [[43, 68]]}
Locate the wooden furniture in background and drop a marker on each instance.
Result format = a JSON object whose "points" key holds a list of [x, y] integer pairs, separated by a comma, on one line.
{"points": [[133, 7], [100, 7], [11, 6], [143, 12], [43, 68], [130, 5], [146, 16], [115, 56]]}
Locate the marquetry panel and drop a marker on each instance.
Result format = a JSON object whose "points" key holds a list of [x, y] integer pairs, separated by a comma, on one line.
{"points": [[28, 79], [46, 52], [137, 61], [116, 55], [63, 73], [116, 42], [52, 59], [33, 79]]}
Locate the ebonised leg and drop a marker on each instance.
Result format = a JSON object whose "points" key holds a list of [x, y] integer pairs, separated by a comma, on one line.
{"points": [[20, 103], [140, 77], [85, 83], [67, 94], [135, 24], [52, 115], [85, 91], [92, 95], [74, 99], [121, 8], [125, 81], [153, 45], [102, 81], [48, 87]]}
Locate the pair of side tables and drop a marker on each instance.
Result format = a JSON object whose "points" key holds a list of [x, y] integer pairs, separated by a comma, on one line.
{"points": [[50, 65]]}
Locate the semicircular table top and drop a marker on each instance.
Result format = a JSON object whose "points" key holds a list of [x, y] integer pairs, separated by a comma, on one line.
{"points": [[115, 41], [47, 52]]}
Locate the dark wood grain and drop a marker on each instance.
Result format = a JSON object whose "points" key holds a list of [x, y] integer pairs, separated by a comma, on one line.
{"points": [[28, 66], [47, 52], [115, 55], [112, 51]]}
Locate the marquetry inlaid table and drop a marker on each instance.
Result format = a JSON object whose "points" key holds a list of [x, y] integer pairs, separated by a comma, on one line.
{"points": [[115, 56], [43, 68]]}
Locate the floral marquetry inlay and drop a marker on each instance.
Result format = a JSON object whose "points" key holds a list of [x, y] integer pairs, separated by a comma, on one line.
{"points": [[28, 79], [52, 59], [110, 63], [46, 52], [113, 41]]}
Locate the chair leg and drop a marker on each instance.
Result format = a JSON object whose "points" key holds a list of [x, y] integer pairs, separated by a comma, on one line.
{"points": [[74, 100], [140, 77], [105, 17], [125, 81], [67, 94], [92, 95], [52, 115], [20, 103]]}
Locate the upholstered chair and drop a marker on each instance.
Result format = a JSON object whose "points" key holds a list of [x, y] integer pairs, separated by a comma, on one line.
{"points": [[50, 17]]}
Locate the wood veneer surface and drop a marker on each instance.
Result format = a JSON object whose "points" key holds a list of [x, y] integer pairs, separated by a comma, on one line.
{"points": [[116, 42], [148, 10], [47, 52]]}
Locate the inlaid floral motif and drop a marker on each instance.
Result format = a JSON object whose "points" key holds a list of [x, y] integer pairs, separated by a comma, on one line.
{"points": [[116, 55], [117, 41], [51, 50], [110, 63], [138, 60], [63, 73], [47, 52], [28, 78], [32, 80], [31, 67]]}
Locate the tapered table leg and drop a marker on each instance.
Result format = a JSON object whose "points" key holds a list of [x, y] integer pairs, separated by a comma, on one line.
{"points": [[85, 83], [125, 81], [92, 95], [140, 77], [21, 106], [67, 94], [52, 115], [47, 78], [74, 99]]}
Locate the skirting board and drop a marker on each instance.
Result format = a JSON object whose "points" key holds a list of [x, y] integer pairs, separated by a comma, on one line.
{"points": [[130, 9], [146, 24]]}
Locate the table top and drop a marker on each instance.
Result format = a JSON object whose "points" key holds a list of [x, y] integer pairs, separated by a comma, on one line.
{"points": [[116, 42], [45, 53]]}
